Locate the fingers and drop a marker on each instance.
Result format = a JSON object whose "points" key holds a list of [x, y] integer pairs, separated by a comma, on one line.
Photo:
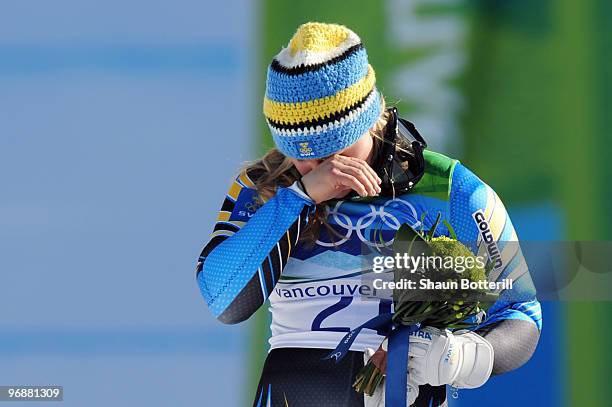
{"points": [[362, 172], [361, 177], [360, 167], [337, 175], [363, 164], [350, 181]]}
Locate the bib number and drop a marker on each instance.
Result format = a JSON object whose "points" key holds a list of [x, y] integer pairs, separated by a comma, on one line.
{"points": [[384, 307]]}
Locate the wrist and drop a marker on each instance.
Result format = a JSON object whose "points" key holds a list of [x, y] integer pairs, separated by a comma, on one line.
{"points": [[300, 184], [298, 189], [309, 189]]}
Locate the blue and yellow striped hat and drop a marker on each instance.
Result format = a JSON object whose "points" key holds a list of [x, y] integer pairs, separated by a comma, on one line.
{"points": [[320, 92]]}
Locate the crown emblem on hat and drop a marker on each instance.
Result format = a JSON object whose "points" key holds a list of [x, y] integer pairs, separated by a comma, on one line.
{"points": [[305, 149]]}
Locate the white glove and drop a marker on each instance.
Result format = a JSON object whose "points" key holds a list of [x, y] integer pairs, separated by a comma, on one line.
{"points": [[463, 359], [378, 398]]}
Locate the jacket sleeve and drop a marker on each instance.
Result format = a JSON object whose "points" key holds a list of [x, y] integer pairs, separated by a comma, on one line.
{"points": [[249, 247], [512, 325]]}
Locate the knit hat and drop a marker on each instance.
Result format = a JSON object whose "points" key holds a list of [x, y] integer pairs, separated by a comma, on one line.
{"points": [[320, 92]]}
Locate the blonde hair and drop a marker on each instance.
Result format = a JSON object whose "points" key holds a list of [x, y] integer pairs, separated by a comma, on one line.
{"points": [[277, 170]]}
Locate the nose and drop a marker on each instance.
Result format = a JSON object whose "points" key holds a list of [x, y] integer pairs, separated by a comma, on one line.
{"points": [[305, 166], [312, 164]]}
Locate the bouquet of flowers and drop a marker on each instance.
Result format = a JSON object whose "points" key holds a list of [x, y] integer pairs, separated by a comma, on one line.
{"points": [[443, 306]]}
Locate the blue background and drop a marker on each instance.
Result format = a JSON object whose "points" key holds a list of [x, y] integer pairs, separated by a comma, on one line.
{"points": [[118, 138]]}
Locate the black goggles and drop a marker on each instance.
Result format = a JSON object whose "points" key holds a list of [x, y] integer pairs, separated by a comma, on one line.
{"points": [[400, 162]]}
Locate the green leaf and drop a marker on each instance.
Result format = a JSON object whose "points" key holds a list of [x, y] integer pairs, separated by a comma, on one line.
{"points": [[405, 238], [451, 231], [423, 215], [431, 232], [407, 233]]}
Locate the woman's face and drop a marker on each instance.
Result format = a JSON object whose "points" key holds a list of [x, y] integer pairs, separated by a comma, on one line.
{"points": [[362, 148]]}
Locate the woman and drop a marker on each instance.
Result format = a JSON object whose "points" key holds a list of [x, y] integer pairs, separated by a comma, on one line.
{"points": [[296, 225]]}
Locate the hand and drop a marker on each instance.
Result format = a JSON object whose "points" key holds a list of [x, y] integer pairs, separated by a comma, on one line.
{"points": [[463, 359], [378, 398], [337, 175]]}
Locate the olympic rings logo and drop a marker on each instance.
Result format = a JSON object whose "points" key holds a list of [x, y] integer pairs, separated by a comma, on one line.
{"points": [[252, 205], [379, 214]]}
